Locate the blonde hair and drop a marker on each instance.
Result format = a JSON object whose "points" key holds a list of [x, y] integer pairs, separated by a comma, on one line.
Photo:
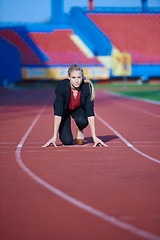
{"points": [[76, 67]]}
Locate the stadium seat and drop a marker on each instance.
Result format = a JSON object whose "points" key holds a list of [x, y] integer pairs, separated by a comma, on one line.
{"points": [[138, 34], [55, 48], [27, 54], [60, 49]]}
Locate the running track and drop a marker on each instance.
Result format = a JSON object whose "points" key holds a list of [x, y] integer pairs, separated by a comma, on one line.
{"points": [[79, 192]]}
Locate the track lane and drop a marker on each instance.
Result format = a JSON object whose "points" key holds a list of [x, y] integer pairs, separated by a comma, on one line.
{"points": [[131, 124], [74, 201], [90, 179], [67, 159]]}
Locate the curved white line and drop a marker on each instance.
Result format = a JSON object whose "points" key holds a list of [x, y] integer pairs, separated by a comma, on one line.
{"points": [[126, 142], [113, 220], [134, 98]]}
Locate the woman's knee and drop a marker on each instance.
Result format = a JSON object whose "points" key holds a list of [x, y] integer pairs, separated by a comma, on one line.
{"points": [[66, 140], [82, 123], [80, 118]]}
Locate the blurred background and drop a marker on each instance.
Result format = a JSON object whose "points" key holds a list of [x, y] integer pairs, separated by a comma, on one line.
{"points": [[112, 40]]}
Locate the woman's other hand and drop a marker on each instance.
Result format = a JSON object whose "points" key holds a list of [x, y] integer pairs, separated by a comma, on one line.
{"points": [[51, 142], [98, 141]]}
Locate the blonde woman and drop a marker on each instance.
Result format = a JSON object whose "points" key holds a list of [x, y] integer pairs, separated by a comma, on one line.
{"points": [[74, 98]]}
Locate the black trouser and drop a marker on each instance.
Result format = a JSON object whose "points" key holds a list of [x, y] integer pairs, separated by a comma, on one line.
{"points": [[65, 133]]}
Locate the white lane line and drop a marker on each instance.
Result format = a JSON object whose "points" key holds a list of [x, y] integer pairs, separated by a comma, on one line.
{"points": [[145, 141], [135, 108], [58, 142], [4, 153], [7, 105], [131, 97], [126, 142], [30, 128], [141, 110], [111, 219], [150, 217], [115, 142]]}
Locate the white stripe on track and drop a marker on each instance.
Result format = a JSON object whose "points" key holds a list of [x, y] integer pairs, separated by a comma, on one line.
{"points": [[8, 105], [110, 219], [126, 142], [131, 97], [141, 110], [132, 107], [149, 217]]}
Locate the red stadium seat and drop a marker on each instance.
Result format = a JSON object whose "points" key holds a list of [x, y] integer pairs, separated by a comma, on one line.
{"points": [[138, 34], [58, 47], [27, 54]]}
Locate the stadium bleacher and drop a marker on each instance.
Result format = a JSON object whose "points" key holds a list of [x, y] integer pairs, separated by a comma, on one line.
{"points": [[56, 48], [138, 34], [60, 48], [107, 32], [26, 53]]}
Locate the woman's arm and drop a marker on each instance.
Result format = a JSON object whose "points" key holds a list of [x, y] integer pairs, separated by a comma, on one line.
{"points": [[96, 140], [57, 121]]}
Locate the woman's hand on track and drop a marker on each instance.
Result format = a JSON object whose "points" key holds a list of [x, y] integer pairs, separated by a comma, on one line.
{"points": [[98, 141], [51, 142]]}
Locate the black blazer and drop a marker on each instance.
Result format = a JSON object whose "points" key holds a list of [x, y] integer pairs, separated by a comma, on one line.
{"points": [[63, 95]]}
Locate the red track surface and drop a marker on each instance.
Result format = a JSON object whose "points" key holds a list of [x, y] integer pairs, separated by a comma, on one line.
{"points": [[115, 191]]}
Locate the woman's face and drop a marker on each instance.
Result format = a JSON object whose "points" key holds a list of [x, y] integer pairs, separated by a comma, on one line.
{"points": [[75, 79]]}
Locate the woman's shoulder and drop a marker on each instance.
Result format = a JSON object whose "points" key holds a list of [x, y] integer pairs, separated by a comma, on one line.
{"points": [[63, 82], [85, 87], [62, 85]]}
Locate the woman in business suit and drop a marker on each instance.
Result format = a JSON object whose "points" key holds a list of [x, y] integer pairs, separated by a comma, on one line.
{"points": [[74, 98]]}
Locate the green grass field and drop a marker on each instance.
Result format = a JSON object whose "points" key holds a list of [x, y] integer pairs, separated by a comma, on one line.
{"points": [[151, 95], [145, 91]]}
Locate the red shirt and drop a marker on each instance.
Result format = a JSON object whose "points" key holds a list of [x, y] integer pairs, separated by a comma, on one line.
{"points": [[74, 103]]}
